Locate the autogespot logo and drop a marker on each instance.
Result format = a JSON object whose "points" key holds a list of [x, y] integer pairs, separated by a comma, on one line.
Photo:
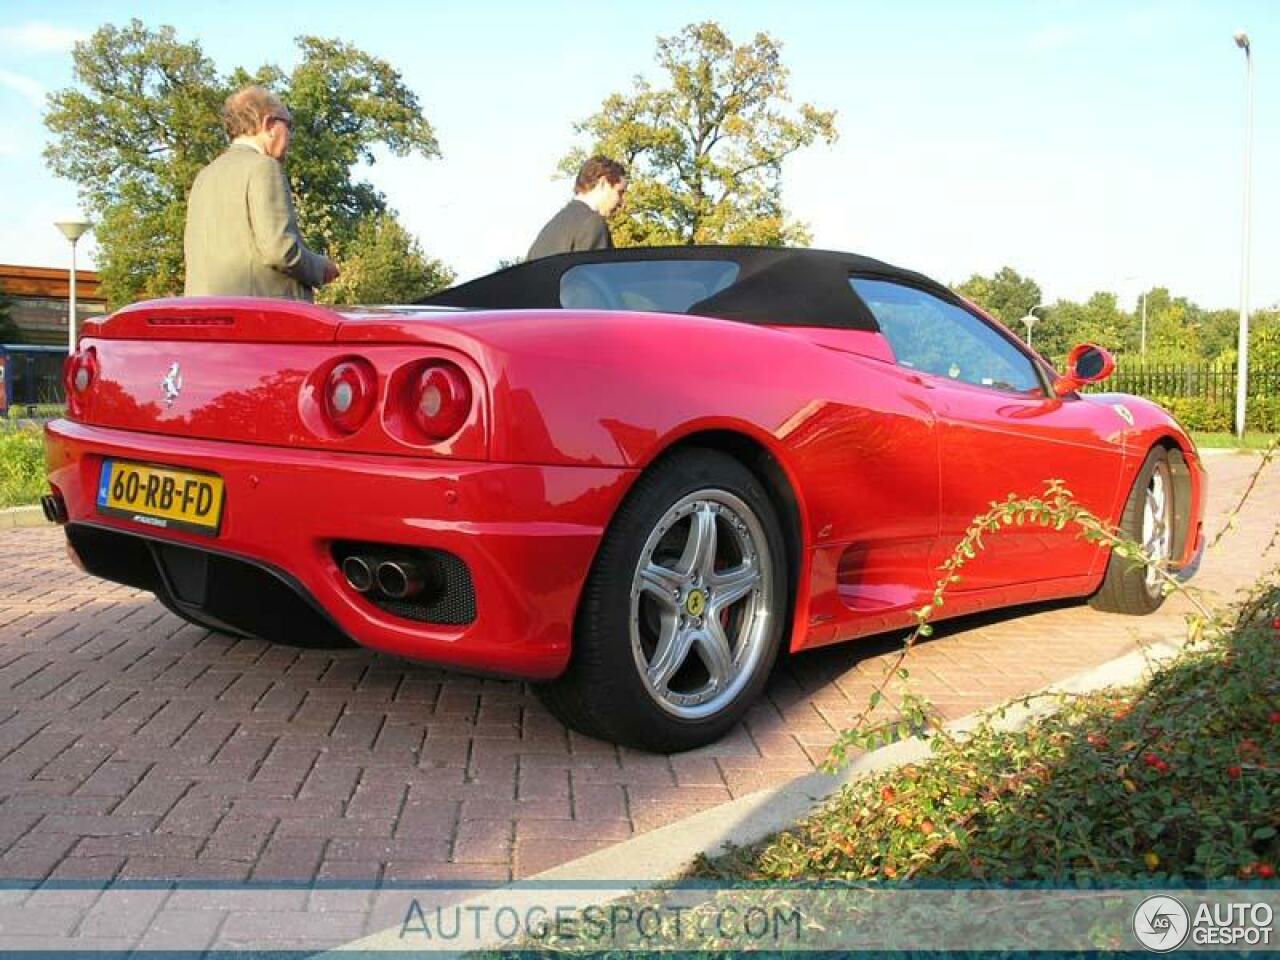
{"points": [[1161, 924]]}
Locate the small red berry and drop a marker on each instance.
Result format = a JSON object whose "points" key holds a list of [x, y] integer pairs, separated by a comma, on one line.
{"points": [[1248, 746], [1274, 716], [1266, 871], [1097, 740], [1234, 772], [1151, 759], [1162, 767]]}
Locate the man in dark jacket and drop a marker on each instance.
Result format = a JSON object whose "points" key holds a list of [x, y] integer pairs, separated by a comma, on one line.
{"points": [[598, 191]]}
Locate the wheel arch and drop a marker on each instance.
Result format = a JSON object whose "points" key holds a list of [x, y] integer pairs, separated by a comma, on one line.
{"points": [[1184, 493]]}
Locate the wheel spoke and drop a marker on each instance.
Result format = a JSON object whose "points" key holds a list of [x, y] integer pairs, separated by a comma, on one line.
{"points": [[662, 583], [730, 586], [699, 554], [713, 648], [673, 649]]}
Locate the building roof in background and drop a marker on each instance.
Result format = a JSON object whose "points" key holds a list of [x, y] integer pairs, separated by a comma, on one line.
{"points": [[49, 282]]}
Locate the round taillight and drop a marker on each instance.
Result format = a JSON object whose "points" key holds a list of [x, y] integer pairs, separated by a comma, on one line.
{"points": [[350, 392], [78, 373], [440, 400]]}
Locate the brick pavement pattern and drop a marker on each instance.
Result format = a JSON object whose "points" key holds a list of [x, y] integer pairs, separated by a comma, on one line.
{"points": [[134, 745]]}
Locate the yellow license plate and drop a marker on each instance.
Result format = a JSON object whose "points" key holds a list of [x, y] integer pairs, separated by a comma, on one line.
{"points": [[161, 496]]}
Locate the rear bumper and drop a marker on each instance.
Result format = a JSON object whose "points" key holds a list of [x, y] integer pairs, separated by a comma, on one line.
{"points": [[527, 534]]}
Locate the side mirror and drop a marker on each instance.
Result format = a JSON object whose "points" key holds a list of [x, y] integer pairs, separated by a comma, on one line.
{"points": [[1086, 363]]}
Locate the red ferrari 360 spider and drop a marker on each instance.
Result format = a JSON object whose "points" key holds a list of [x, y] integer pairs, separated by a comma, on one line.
{"points": [[630, 476]]}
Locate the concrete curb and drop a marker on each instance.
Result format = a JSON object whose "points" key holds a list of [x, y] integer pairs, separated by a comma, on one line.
{"points": [[11, 517], [663, 854]]}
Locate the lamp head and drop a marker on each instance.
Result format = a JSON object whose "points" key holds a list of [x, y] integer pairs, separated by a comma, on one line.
{"points": [[1242, 41], [73, 230]]}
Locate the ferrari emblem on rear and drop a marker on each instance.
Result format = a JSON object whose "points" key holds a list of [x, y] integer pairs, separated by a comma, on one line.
{"points": [[172, 384], [1125, 415]]}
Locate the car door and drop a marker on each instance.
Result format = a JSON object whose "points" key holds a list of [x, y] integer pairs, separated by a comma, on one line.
{"points": [[1001, 431]]}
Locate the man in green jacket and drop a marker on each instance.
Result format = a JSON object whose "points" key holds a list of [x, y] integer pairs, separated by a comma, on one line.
{"points": [[242, 234]]}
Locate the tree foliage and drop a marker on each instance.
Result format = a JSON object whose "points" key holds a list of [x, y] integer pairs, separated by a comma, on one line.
{"points": [[1098, 320], [385, 264], [1007, 295], [1178, 330], [144, 119], [705, 148]]}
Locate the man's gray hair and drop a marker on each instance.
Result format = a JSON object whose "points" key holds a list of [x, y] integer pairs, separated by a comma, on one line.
{"points": [[245, 109]]}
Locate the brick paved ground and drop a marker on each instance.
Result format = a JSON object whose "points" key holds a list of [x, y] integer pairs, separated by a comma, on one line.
{"points": [[135, 745]]}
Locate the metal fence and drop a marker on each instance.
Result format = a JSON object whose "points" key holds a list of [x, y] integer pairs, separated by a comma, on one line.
{"points": [[1210, 381]]}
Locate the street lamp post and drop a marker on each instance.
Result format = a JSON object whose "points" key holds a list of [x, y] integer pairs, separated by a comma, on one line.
{"points": [[1242, 351], [1144, 324], [73, 230], [1030, 320], [1142, 299]]}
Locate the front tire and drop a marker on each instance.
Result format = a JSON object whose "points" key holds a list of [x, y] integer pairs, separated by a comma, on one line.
{"points": [[1131, 586], [683, 611]]}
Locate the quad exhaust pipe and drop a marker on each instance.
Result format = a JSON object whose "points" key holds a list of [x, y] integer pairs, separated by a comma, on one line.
{"points": [[359, 573], [393, 577], [54, 508], [399, 579]]}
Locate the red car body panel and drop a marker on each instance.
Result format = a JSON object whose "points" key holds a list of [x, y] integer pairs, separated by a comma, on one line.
{"points": [[886, 467]]}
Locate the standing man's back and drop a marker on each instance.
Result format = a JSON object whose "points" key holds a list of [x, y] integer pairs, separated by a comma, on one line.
{"points": [[242, 236], [598, 191]]}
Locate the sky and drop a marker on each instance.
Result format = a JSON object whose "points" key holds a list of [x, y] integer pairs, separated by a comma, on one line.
{"points": [[1088, 145]]}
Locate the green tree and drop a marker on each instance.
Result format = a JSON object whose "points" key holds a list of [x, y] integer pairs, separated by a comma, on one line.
{"points": [[705, 148], [1099, 320], [1173, 328], [1264, 340], [1006, 295], [1218, 332], [145, 118], [385, 264]]}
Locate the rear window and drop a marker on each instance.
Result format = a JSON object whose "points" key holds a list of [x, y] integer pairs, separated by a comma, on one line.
{"points": [[664, 286]]}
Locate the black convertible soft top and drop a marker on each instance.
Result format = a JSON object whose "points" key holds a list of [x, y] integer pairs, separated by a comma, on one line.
{"points": [[773, 285]]}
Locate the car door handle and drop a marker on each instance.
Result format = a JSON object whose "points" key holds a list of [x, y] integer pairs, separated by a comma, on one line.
{"points": [[920, 381]]}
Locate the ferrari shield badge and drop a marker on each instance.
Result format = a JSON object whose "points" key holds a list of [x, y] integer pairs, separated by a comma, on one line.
{"points": [[1125, 415]]}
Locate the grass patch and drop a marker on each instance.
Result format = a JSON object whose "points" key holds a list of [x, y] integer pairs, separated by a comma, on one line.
{"points": [[35, 411], [22, 466], [1175, 780], [1252, 441]]}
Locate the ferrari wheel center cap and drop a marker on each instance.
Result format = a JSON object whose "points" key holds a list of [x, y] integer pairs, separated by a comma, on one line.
{"points": [[695, 604]]}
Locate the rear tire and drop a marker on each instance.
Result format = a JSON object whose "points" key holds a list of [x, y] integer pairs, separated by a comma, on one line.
{"points": [[1131, 586], [682, 614]]}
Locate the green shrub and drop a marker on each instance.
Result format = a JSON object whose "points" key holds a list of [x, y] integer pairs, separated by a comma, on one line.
{"points": [[22, 467], [1264, 414], [1206, 415], [36, 411], [1198, 413], [1174, 781]]}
